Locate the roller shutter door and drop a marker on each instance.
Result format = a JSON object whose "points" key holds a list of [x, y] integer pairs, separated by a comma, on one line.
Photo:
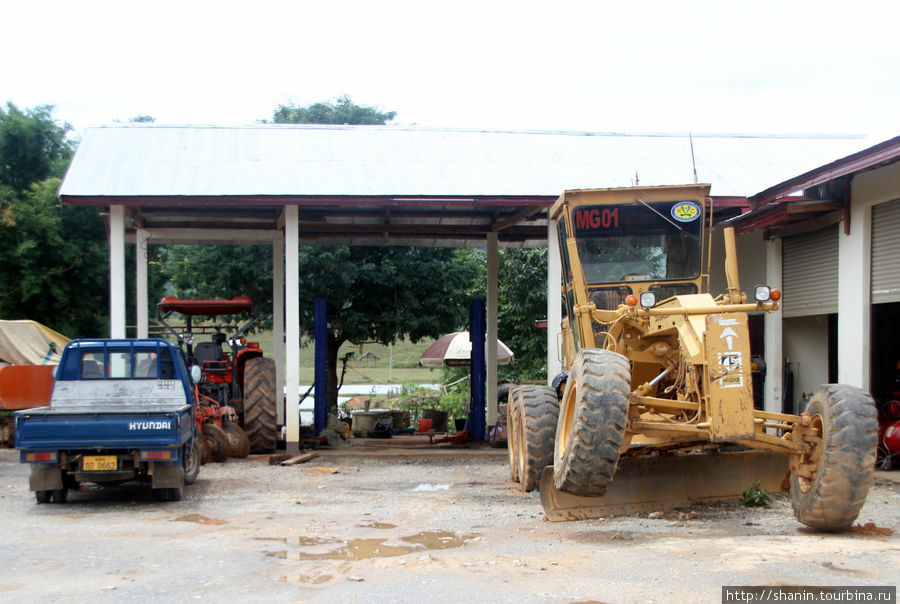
{"points": [[886, 252], [809, 273]]}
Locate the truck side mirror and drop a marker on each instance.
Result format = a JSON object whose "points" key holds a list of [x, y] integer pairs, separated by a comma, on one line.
{"points": [[195, 374]]}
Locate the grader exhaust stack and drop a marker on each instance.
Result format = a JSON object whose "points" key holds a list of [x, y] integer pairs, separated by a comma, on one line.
{"points": [[655, 406]]}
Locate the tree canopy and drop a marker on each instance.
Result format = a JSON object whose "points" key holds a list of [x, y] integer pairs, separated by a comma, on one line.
{"points": [[54, 257], [341, 110], [33, 146]]}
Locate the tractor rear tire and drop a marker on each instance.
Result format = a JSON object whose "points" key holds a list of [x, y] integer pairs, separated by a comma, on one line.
{"points": [[844, 458], [220, 450], [592, 420], [260, 414], [538, 411], [192, 458], [512, 433], [238, 441]]}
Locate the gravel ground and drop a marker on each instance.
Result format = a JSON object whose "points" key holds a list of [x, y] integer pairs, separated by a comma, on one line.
{"points": [[409, 528]]}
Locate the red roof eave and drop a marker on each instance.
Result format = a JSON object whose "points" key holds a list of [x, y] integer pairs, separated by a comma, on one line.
{"points": [[880, 154]]}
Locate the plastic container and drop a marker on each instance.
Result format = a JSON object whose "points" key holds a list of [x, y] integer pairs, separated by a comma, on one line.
{"points": [[424, 425]]}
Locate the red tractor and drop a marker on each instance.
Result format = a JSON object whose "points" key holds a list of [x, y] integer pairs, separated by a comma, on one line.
{"points": [[236, 390], [889, 434]]}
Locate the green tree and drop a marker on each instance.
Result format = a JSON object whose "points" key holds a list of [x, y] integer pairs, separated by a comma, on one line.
{"points": [[382, 294], [54, 262], [33, 146], [341, 110], [522, 293], [54, 257]]}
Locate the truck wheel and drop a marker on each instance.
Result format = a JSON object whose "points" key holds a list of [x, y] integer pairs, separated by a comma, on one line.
{"points": [[238, 442], [42, 496], [538, 410], [192, 457], [219, 451], [592, 420], [837, 468], [259, 404], [512, 432], [60, 495]]}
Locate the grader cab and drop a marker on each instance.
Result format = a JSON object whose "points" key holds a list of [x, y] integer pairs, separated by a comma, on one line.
{"points": [[655, 406]]}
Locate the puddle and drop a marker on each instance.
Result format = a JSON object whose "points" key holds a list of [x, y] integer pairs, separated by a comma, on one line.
{"points": [[301, 541], [377, 525], [199, 519], [362, 549], [313, 580]]}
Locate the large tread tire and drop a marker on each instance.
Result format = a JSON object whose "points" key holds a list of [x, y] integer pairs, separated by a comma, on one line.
{"points": [[220, 450], [538, 411], [192, 459], [238, 441], [512, 433], [592, 420], [260, 412], [831, 499]]}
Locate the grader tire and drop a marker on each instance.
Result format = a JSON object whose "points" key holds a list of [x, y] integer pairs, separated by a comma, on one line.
{"points": [[260, 413], [512, 433], [592, 420], [538, 410], [238, 441], [220, 450], [844, 464]]}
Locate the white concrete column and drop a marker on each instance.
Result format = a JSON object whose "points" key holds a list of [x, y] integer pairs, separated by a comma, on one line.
{"points": [[292, 325], [490, 356], [854, 288], [773, 339], [278, 322], [554, 308], [142, 250], [116, 271]]}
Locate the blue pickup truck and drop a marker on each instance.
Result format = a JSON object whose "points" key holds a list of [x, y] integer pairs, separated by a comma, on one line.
{"points": [[121, 410]]}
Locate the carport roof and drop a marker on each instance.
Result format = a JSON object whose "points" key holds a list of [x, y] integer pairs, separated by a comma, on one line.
{"points": [[402, 185]]}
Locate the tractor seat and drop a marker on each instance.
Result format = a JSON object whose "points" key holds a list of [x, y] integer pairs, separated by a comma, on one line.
{"points": [[207, 351]]}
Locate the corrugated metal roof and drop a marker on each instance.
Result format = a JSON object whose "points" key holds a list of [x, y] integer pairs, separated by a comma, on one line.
{"points": [[262, 160]]}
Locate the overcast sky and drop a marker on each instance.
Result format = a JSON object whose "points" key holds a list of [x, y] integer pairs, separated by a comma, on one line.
{"points": [[649, 66]]}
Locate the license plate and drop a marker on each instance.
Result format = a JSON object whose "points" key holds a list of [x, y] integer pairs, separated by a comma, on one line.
{"points": [[100, 463]]}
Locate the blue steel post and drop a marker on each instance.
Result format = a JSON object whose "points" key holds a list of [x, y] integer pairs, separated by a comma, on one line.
{"points": [[477, 407], [320, 413]]}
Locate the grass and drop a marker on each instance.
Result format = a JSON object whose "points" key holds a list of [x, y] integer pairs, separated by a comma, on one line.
{"points": [[397, 366]]}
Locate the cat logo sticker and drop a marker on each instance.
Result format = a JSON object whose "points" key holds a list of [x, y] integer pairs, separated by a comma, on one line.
{"points": [[685, 211]]}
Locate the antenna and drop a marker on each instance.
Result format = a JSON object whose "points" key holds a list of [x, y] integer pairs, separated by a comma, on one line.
{"points": [[693, 161]]}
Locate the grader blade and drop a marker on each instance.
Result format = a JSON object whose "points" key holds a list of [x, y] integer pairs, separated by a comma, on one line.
{"points": [[644, 484]]}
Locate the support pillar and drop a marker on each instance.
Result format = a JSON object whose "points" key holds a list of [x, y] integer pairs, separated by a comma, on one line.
{"points": [[320, 412], [773, 336], [491, 346], [292, 326], [278, 324], [554, 308], [476, 422], [142, 250], [854, 299], [116, 271]]}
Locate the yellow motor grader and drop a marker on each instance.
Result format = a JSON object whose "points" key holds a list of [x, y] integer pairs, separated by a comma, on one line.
{"points": [[655, 406]]}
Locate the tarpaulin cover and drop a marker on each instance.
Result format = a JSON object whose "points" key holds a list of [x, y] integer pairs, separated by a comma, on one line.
{"points": [[28, 343]]}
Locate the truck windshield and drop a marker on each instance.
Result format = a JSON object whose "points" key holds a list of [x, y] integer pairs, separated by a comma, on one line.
{"points": [[642, 242]]}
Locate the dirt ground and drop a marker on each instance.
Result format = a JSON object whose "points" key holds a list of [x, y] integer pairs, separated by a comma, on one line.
{"points": [[435, 526]]}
